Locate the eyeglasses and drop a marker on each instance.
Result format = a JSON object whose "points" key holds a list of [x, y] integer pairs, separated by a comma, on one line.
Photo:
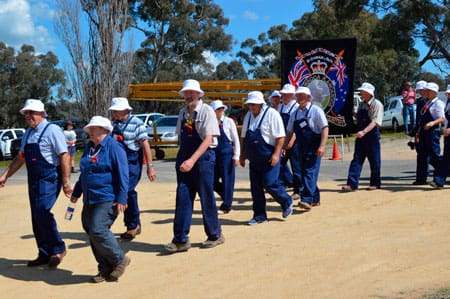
{"points": [[30, 112]]}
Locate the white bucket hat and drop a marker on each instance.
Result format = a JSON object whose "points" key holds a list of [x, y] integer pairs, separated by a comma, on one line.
{"points": [[33, 105], [119, 104], [448, 89], [255, 97], [217, 104], [191, 84], [432, 86], [99, 121], [275, 93], [288, 88], [421, 85], [303, 89], [367, 87]]}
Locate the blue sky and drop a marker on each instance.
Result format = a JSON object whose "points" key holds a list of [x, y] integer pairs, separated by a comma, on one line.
{"points": [[30, 21]]}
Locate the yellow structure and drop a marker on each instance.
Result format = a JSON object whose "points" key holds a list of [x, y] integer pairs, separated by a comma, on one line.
{"points": [[231, 92]]}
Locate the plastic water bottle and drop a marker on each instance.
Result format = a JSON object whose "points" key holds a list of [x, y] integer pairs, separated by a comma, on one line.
{"points": [[69, 211]]}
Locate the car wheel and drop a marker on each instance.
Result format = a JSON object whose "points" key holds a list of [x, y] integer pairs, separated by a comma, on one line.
{"points": [[160, 154], [395, 125]]}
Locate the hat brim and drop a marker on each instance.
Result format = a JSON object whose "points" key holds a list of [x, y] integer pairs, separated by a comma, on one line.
{"points": [[181, 92], [86, 127], [366, 90]]}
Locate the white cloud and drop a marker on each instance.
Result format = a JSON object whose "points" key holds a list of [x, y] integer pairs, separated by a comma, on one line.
{"points": [[250, 15], [24, 22]]}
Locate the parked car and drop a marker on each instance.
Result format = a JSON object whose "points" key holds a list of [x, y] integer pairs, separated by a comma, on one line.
{"points": [[149, 119], [6, 137], [393, 114], [165, 128]]}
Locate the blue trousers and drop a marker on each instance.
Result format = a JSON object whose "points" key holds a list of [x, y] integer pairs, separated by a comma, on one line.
{"points": [[199, 180], [286, 177], [131, 214], [97, 220], [369, 148], [442, 170], [224, 178], [306, 168], [408, 117], [428, 152], [264, 177], [42, 194]]}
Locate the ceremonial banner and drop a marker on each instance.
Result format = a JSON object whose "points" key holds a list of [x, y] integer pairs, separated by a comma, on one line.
{"points": [[327, 68]]}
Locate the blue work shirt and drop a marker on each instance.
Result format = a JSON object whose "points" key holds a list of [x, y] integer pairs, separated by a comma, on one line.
{"points": [[53, 142], [104, 173]]}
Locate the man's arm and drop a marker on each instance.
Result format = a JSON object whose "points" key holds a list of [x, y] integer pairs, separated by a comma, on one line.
{"points": [[65, 171], [277, 151], [323, 141], [151, 174], [187, 165], [12, 168]]}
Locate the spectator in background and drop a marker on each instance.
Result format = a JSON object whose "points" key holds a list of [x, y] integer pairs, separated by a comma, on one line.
{"points": [[441, 173], [310, 125], [44, 151], [262, 138], [131, 133], [197, 130], [104, 184], [227, 157], [367, 143], [71, 139], [409, 99], [428, 135]]}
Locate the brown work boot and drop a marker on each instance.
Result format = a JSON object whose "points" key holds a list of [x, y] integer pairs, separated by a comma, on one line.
{"points": [[119, 269], [56, 259]]}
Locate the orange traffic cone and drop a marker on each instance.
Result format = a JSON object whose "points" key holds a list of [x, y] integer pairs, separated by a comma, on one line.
{"points": [[336, 155]]}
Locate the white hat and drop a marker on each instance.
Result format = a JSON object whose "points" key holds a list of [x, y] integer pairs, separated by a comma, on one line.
{"points": [[255, 97], [119, 104], [288, 88], [191, 84], [275, 93], [421, 85], [432, 86], [99, 121], [217, 104], [367, 87], [33, 105], [448, 89], [303, 89]]}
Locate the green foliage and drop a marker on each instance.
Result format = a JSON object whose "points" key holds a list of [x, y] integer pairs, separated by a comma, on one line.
{"points": [[26, 75], [178, 33]]}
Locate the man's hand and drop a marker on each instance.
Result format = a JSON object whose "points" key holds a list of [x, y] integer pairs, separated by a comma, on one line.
{"points": [[274, 160], [120, 207], [320, 151], [187, 165], [67, 189], [151, 174]]}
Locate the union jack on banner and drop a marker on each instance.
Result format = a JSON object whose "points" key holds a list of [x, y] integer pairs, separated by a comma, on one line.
{"points": [[340, 69], [298, 73]]}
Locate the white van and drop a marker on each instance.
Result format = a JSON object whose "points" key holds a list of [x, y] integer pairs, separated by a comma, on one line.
{"points": [[6, 136]]}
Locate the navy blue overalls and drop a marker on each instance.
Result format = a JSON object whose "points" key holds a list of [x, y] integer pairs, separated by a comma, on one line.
{"points": [[306, 166], [286, 177], [200, 179], [131, 214], [441, 172], [367, 146], [44, 185], [429, 148], [262, 174], [224, 174]]}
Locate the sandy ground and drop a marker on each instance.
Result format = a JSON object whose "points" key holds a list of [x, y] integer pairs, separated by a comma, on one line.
{"points": [[389, 243]]}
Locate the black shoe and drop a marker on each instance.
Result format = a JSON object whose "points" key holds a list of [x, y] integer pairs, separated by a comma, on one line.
{"points": [[411, 145], [39, 261], [418, 183]]}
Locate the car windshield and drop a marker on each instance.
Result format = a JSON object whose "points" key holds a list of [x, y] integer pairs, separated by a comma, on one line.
{"points": [[141, 117], [166, 122]]}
